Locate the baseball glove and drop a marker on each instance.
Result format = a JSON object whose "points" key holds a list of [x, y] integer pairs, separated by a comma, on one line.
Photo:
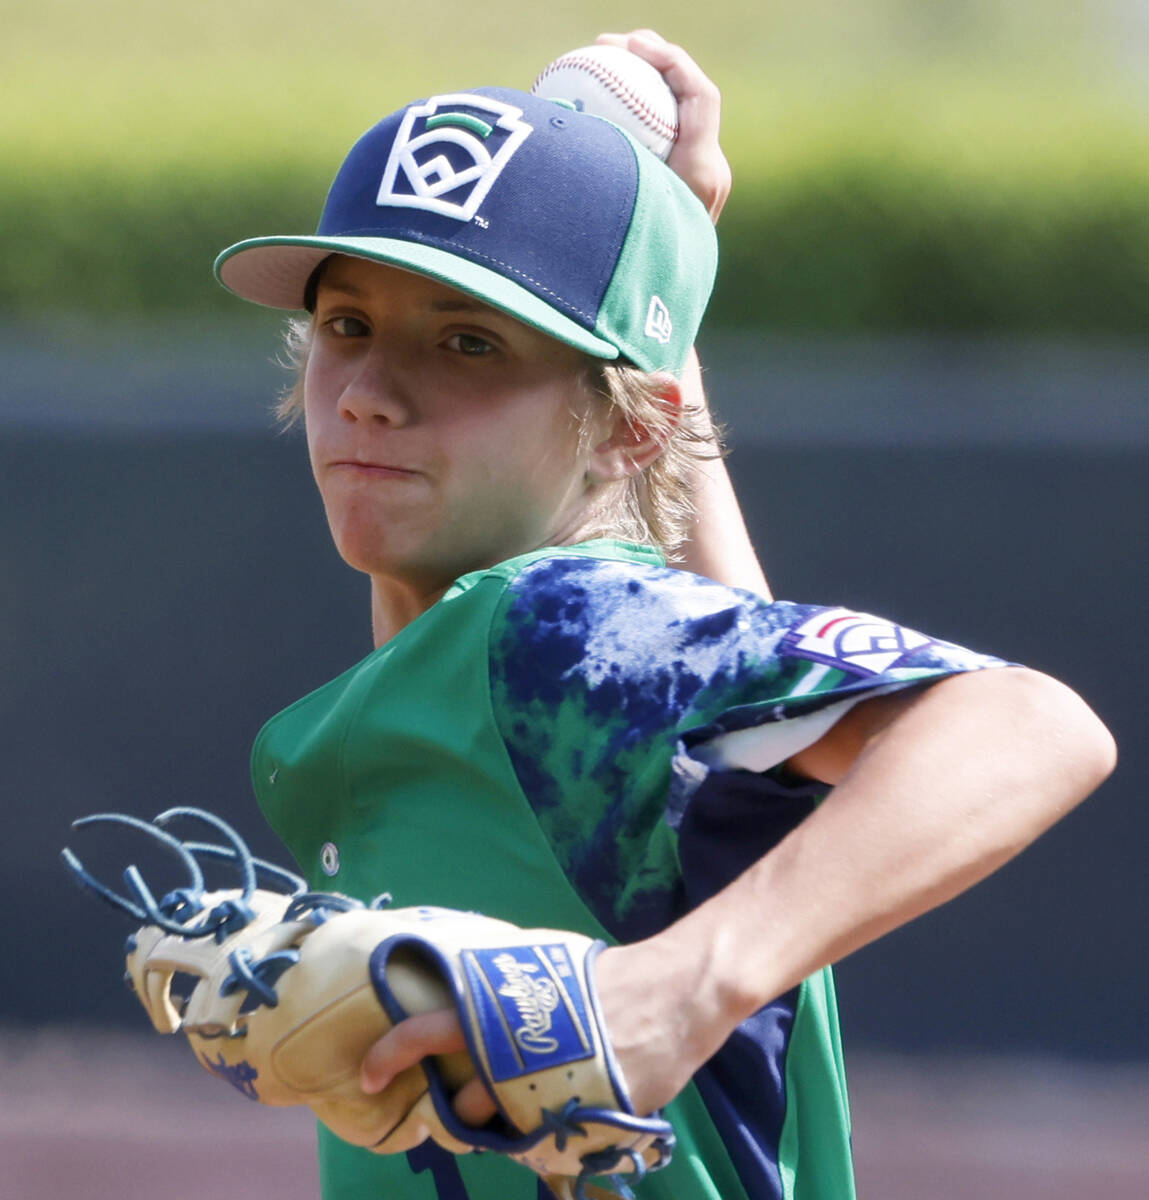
{"points": [[289, 989]]}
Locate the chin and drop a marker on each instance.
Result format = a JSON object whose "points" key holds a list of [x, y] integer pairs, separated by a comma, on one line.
{"points": [[395, 550], [388, 557], [366, 550]]}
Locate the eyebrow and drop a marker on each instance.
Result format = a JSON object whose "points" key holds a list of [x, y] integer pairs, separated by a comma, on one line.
{"points": [[462, 305], [346, 289]]}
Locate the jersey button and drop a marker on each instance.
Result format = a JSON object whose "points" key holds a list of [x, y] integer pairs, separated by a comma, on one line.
{"points": [[329, 859]]}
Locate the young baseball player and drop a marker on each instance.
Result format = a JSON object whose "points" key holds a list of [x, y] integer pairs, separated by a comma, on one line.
{"points": [[555, 727]]}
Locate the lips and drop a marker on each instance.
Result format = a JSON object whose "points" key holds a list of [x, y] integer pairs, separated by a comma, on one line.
{"points": [[381, 469]]}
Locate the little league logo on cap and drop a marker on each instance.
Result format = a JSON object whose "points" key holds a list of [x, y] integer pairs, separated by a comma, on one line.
{"points": [[553, 216], [422, 168]]}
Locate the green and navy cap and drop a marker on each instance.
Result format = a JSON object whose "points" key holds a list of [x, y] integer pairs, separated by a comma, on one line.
{"points": [[551, 215]]}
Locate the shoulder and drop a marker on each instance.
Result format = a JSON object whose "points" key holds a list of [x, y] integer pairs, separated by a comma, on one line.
{"points": [[637, 605], [622, 613], [628, 596], [612, 622]]}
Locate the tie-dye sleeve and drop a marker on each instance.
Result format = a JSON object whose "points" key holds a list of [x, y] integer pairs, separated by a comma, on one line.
{"points": [[830, 659], [606, 672]]}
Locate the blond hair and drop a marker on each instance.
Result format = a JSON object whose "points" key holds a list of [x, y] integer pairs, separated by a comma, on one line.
{"points": [[652, 507]]}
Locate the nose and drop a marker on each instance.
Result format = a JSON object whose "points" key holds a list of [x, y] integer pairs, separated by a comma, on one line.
{"points": [[376, 392]]}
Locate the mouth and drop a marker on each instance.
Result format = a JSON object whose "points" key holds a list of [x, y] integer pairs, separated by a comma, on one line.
{"points": [[378, 470]]}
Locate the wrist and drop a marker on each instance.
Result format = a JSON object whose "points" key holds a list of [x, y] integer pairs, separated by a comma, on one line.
{"points": [[714, 991], [740, 960]]}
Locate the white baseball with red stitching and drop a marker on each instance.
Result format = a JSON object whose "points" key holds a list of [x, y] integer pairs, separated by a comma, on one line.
{"points": [[610, 82]]}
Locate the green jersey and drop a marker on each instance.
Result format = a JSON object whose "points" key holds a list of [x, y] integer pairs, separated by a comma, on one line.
{"points": [[582, 738]]}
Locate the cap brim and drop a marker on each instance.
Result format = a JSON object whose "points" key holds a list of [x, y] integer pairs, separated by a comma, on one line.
{"points": [[275, 270]]}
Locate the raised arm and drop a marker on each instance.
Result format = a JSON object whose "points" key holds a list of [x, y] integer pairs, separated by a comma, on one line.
{"points": [[718, 543]]}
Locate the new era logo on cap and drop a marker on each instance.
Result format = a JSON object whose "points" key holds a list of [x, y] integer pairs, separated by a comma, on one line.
{"points": [[448, 153], [658, 323]]}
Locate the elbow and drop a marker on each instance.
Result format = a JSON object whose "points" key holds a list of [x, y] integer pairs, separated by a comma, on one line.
{"points": [[1101, 747], [1059, 728]]}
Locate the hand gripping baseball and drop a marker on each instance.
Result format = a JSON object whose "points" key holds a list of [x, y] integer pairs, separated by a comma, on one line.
{"points": [[696, 156], [291, 988]]}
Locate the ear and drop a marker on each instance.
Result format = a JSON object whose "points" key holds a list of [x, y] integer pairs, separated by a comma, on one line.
{"points": [[630, 448]]}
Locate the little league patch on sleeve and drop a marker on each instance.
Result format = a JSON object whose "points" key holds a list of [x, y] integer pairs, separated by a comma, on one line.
{"points": [[530, 1003], [852, 641]]}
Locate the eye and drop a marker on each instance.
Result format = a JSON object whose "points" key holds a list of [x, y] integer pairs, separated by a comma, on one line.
{"points": [[347, 327], [469, 344]]}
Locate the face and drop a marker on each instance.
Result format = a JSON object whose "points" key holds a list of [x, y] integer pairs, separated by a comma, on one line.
{"points": [[443, 434]]}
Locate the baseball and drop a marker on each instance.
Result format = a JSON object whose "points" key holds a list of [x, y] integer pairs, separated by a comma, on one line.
{"points": [[610, 82]]}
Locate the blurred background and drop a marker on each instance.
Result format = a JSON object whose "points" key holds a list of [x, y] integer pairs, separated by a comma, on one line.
{"points": [[929, 343]]}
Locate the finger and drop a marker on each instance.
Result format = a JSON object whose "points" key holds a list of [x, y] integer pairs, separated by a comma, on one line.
{"points": [[473, 1104], [621, 39], [407, 1043], [696, 156], [685, 78], [699, 100]]}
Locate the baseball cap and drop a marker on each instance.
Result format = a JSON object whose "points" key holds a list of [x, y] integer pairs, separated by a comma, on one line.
{"points": [[556, 217]]}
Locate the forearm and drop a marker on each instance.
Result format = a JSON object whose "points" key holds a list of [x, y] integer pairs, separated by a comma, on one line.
{"points": [[718, 543], [961, 781]]}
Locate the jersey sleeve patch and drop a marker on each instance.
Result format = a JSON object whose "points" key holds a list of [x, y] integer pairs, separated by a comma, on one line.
{"points": [[854, 642], [857, 643]]}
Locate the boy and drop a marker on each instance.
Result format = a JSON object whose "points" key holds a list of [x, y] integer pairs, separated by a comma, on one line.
{"points": [[554, 727]]}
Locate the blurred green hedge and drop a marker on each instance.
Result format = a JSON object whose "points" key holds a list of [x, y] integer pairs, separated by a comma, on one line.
{"points": [[845, 245], [857, 246], [899, 165]]}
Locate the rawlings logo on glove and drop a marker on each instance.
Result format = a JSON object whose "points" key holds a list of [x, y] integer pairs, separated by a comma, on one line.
{"points": [[293, 987]]}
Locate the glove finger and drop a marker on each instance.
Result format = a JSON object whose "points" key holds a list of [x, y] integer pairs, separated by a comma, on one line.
{"points": [[413, 1039]]}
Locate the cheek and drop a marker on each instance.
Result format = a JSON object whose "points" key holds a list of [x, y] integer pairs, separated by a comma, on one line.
{"points": [[562, 458], [317, 414], [534, 461]]}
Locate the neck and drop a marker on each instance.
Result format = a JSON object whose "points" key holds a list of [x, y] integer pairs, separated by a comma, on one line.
{"points": [[395, 605], [396, 600]]}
